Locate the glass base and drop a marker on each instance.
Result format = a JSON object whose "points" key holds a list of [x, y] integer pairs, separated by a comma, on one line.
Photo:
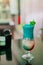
{"points": [[28, 57]]}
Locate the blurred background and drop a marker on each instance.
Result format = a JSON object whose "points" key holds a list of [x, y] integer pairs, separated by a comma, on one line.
{"points": [[24, 11]]}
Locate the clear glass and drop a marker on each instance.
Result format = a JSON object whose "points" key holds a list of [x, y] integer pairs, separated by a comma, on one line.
{"points": [[28, 45]]}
